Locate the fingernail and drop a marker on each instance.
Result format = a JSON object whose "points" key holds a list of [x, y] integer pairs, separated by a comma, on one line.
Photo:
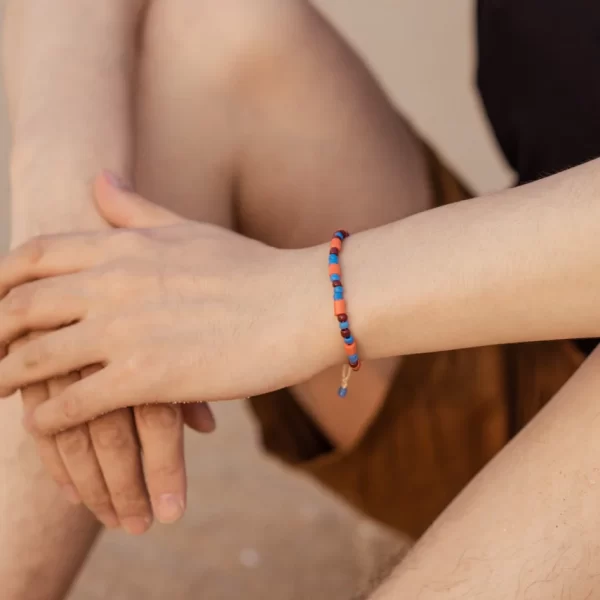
{"points": [[70, 493], [117, 182], [170, 508], [136, 525]]}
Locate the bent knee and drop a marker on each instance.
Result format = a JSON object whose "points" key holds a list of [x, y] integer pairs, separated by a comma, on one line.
{"points": [[224, 38]]}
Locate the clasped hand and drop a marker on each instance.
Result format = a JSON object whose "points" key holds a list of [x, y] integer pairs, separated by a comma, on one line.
{"points": [[162, 310]]}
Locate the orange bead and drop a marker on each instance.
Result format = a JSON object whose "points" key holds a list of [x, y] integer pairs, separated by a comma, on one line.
{"points": [[350, 349], [335, 270], [339, 307], [336, 243]]}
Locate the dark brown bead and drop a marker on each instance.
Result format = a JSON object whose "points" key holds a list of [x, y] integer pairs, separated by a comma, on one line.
{"points": [[344, 233], [346, 333], [342, 318], [337, 283], [355, 366], [334, 251]]}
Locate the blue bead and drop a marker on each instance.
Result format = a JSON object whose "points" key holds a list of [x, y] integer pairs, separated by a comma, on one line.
{"points": [[344, 325], [334, 277], [342, 392], [338, 296], [339, 235], [349, 340], [353, 359], [338, 288], [334, 260]]}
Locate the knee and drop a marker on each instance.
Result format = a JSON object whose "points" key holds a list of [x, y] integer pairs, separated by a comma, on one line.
{"points": [[225, 39]]}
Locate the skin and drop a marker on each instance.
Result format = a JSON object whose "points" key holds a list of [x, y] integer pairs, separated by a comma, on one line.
{"points": [[35, 183], [79, 57], [84, 460], [55, 280], [88, 283], [527, 527]]}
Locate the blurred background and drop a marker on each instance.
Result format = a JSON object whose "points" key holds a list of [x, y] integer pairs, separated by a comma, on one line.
{"points": [[253, 529]]}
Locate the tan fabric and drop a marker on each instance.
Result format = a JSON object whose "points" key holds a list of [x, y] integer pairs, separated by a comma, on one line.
{"points": [[446, 415]]}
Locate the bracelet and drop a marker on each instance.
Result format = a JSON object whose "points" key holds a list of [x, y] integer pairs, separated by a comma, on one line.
{"points": [[339, 310]]}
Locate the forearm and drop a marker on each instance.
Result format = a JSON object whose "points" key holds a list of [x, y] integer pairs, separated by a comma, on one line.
{"points": [[69, 70], [43, 539], [528, 527], [521, 265]]}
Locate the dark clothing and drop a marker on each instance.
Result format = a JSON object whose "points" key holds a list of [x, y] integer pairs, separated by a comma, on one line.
{"points": [[538, 80]]}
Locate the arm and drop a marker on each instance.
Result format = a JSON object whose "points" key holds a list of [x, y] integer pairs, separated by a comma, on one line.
{"points": [[66, 65], [520, 265], [528, 527]]}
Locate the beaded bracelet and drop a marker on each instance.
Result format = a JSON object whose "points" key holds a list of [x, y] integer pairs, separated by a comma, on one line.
{"points": [[339, 309]]}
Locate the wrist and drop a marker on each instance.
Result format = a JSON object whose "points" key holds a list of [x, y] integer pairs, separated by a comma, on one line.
{"points": [[312, 308], [365, 290], [51, 192]]}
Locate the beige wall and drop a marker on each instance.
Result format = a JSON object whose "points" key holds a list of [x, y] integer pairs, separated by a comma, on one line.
{"points": [[423, 52]]}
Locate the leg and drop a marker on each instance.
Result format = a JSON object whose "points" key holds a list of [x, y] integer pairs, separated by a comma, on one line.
{"points": [[257, 114]]}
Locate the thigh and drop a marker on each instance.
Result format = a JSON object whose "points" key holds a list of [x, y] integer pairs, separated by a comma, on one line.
{"points": [[185, 139], [323, 146], [257, 114]]}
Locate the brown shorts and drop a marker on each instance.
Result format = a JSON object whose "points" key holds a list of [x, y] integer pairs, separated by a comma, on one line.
{"points": [[446, 415]]}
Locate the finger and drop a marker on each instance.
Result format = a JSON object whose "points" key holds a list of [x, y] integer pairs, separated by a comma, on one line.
{"points": [[49, 256], [121, 207], [109, 389], [42, 305], [77, 453], [55, 354], [118, 452], [199, 417], [32, 397], [117, 448], [47, 448], [160, 429]]}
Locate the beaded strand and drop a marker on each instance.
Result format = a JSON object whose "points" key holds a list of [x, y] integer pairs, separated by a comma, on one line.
{"points": [[339, 310]]}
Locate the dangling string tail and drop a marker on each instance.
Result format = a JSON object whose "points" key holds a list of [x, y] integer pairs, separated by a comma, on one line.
{"points": [[339, 310]]}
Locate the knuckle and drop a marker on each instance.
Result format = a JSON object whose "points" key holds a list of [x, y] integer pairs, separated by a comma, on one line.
{"points": [[35, 354], [17, 302], [130, 501], [34, 250], [74, 441], [160, 416], [164, 470], [71, 405], [113, 433]]}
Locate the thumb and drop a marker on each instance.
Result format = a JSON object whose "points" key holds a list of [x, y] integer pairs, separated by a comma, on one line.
{"points": [[121, 207]]}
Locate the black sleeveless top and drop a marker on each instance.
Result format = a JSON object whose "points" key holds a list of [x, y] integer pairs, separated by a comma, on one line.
{"points": [[539, 67], [539, 78]]}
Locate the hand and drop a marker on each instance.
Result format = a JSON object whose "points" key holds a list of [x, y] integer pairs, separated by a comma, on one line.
{"points": [[178, 311], [100, 464]]}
